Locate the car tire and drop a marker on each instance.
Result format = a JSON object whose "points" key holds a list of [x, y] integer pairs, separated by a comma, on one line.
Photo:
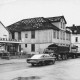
{"points": [[53, 61], [32, 64], [42, 63]]}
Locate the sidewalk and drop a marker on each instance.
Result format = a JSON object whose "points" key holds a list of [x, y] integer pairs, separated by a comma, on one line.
{"points": [[4, 61]]}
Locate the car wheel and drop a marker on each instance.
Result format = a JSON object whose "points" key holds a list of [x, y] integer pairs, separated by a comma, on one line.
{"points": [[32, 64], [38, 64], [53, 61], [42, 63]]}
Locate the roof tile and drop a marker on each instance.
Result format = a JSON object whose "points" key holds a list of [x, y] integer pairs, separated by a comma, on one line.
{"points": [[38, 23]]}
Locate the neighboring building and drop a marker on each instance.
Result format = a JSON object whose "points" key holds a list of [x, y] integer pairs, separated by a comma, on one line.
{"points": [[38, 33], [4, 33], [75, 37], [6, 42]]}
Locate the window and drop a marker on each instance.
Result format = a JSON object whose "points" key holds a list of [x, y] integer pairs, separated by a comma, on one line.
{"points": [[57, 34], [25, 45], [12, 35], [66, 36], [19, 35], [63, 35], [32, 34], [26, 35], [32, 47], [19, 47], [54, 34], [61, 24], [76, 39]]}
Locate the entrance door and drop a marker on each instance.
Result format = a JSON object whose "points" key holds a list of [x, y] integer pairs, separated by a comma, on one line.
{"points": [[33, 47]]}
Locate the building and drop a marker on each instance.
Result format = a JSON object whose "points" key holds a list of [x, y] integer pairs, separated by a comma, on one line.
{"points": [[39, 33], [75, 36], [6, 43], [4, 33]]}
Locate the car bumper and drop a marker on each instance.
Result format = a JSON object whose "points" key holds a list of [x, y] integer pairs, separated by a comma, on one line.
{"points": [[32, 61]]}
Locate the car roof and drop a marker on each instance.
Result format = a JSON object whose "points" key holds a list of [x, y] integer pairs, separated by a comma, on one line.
{"points": [[36, 56]]}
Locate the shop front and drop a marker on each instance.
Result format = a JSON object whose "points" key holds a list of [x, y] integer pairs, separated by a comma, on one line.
{"points": [[9, 48]]}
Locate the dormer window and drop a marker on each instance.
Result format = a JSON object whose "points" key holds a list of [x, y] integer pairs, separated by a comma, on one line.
{"points": [[63, 25]]}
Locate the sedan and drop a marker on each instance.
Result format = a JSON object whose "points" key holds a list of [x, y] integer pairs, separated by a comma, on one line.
{"points": [[41, 59]]}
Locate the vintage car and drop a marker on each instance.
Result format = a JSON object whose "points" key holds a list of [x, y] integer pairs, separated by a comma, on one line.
{"points": [[41, 59]]}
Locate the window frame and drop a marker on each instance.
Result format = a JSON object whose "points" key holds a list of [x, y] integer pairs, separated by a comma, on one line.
{"points": [[26, 35], [63, 35], [19, 35], [32, 47], [57, 34], [25, 45], [54, 34], [76, 39]]}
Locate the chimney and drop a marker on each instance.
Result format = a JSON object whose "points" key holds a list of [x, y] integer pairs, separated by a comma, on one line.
{"points": [[73, 25]]}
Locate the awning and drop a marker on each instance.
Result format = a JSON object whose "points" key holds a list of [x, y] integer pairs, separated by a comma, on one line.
{"points": [[17, 42]]}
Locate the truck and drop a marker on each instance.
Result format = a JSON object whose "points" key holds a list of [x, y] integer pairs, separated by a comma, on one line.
{"points": [[62, 52]]}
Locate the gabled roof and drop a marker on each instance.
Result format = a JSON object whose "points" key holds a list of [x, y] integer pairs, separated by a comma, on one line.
{"points": [[38, 23], [4, 26], [68, 32], [57, 19], [74, 29], [35, 20]]}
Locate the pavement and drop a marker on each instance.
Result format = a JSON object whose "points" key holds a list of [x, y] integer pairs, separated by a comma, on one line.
{"points": [[11, 61]]}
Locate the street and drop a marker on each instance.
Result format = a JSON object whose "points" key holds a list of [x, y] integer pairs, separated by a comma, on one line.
{"points": [[61, 70]]}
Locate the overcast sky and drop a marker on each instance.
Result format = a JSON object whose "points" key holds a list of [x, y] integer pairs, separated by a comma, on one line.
{"points": [[14, 10]]}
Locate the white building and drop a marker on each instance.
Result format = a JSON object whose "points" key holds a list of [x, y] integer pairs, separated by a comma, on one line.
{"points": [[75, 36], [38, 33], [6, 43], [4, 33]]}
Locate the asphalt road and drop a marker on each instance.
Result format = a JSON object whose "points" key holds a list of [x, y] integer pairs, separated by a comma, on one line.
{"points": [[61, 70]]}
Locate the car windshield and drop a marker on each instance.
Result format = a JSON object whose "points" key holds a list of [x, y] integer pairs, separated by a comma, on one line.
{"points": [[36, 56]]}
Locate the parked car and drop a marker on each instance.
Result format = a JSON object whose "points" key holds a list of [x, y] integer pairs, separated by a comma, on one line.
{"points": [[41, 59]]}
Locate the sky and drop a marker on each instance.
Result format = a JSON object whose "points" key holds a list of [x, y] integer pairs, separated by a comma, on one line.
{"points": [[12, 11]]}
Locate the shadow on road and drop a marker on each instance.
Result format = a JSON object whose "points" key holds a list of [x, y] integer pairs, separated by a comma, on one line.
{"points": [[37, 66], [27, 78]]}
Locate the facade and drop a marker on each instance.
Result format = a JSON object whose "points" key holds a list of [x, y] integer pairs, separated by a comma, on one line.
{"points": [[38, 33], [7, 44], [75, 36]]}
